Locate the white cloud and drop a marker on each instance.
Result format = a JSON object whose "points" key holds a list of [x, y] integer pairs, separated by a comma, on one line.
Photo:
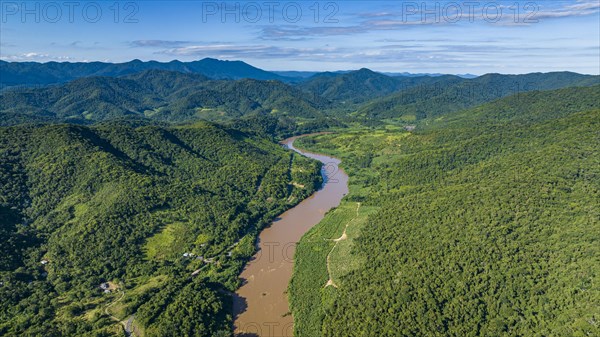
{"points": [[231, 51], [158, 43], [470, 12], [34, 56]]}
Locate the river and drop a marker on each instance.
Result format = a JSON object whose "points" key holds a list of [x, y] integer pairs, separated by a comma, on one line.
{"points": [[260, 305]]}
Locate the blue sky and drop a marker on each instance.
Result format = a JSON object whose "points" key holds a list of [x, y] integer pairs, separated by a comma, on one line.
{"points": [[414, 36]]}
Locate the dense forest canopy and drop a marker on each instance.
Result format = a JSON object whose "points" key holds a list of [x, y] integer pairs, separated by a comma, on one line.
{"points": [[487, 224], [119, 203]]}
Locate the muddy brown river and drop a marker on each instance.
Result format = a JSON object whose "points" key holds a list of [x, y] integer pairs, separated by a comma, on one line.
{"points": [[260, 306]]}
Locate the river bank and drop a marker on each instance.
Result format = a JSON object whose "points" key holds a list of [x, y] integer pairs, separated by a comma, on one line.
{"points": [[261, 304]]}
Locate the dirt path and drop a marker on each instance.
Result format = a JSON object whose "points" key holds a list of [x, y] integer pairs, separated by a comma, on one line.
{"points": [[344, 236], [113, 303], [127, 324]]}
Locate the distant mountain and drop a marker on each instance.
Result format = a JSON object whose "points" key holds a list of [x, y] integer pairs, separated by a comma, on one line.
{"points": [[406, 74], [354, 87], [429, 100], [156, 94], [248, 96], [235, 70], [301, 75], [35, 74], [193, 93], [296, 74], [84, 99], [363, 85]]}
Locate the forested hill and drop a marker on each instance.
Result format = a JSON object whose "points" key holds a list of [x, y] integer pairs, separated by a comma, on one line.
{"points": [[178, 95], [524, 108], [34, 73], [118, 205], [363, 85], [430, 100], [155, 94], [480, 223]]}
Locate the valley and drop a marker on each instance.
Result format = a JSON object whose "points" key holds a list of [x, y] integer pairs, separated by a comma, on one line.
{"points": [[261, 303], [161, 202], [300, 168]]}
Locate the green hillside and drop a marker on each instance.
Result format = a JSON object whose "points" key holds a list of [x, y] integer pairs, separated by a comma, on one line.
{"points": [[430, 100], [119, 204], [177, 97], [486, 224], [363, 85], [158, 95]]}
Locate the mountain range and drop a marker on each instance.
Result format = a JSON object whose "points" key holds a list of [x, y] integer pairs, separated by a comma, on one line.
{"points": [[210, 89], [454, 94], [38, 74], [35, 74]]}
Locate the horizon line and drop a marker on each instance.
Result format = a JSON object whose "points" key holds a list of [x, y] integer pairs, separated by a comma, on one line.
{"points": [[424, 73]]}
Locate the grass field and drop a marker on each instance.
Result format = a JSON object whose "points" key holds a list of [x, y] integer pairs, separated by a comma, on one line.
{"points": [[310, 270], [166, 243], [342, 259]]}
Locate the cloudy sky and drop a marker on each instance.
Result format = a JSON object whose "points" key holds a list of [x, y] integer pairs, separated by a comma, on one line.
{"points": [[414, 36]]}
